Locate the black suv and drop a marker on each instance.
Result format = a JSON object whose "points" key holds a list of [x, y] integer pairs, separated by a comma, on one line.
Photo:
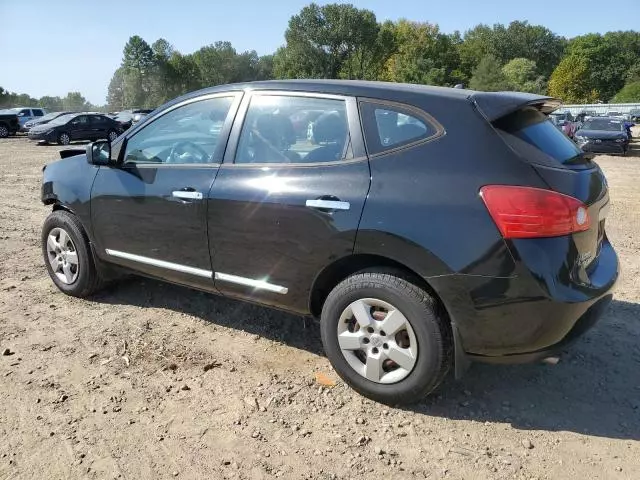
{"points": [[425, 226]]}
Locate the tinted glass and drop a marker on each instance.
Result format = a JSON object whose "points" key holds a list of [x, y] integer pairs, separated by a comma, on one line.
{"points": [[80, 120], [62, 119], [188, 134], [534, 128], [282, 129], [25, 112], [391, 127], [38, 113], [97, 119], [603, 124]]}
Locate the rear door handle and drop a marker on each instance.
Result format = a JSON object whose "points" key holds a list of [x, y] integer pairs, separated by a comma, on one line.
{"points": [[187, 195], [328, 204]]}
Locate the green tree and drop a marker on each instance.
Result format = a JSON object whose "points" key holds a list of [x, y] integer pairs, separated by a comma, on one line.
{"points": [[521, 75], [137, 65], [328, 41], [75, 101], [571, 83], [630, 93], [115, 91], [422, 55], [53, 104], [488, 76]]}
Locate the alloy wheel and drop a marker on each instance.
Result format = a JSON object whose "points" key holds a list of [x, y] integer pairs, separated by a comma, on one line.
{"points": [[64, 139], [377, 340], [63, 256], [4, 131], [112, 136]]}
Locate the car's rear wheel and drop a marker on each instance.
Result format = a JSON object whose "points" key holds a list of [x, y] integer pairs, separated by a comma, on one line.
{"points": [[386, 337], [112, 135], [4, 131], [67, 255], [64, 139]]}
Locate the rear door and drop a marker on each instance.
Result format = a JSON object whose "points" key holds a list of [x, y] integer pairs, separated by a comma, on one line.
{"points": [[285, 203], [98, 127]]}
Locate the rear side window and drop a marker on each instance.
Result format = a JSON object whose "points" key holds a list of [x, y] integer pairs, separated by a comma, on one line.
{"points": [[38, 113], [387, 127], [529, 127]]}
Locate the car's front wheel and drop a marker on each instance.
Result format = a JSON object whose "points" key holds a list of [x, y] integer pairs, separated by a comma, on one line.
{"points": [[67, 255], [64, 139], [386, 337], [4, 131]]}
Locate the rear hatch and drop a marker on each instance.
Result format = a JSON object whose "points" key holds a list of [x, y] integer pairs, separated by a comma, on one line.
{"points": [[565, 169]]}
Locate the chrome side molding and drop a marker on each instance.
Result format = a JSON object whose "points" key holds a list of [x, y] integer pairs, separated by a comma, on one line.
{"points": [[249, 282], [223, 277], [198, 272]]}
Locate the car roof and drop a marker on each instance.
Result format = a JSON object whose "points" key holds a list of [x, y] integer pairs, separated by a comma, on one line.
{"points": [[492, 104]]}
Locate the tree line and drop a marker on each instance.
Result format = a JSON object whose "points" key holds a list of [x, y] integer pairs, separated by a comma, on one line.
{"points": [[342, 41], [73, 101]]}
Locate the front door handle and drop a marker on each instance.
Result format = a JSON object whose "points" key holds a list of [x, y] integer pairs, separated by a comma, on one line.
{"points": [[326, 204], [187, 194]]}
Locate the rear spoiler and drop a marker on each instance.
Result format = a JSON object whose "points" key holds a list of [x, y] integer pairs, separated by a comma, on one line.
{"points": [[495, 105], [72, 152]]}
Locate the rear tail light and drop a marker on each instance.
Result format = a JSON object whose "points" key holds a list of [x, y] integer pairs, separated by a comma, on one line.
{"points": [[527, 212]]}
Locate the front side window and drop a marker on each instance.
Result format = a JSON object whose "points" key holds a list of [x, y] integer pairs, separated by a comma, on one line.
{"points": [[387, 127], [80, 121], [187, 134], [25, 112], [294, 129], [38, 113]]}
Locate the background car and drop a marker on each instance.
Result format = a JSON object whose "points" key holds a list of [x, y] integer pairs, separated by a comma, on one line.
{"points": [[9, 124], [26, 114], [42, 120], [126, 118], [76, 126], [603, 135]]}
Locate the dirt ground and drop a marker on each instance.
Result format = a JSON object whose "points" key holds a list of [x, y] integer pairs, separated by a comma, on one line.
{"points": [[153, 381]]}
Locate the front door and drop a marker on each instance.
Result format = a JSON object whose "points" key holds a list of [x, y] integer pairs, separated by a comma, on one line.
{"points": [[80, 128], [149, 214], [288, 199]]}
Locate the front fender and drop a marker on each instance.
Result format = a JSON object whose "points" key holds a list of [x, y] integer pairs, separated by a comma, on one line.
{"points": [[68, 183]]}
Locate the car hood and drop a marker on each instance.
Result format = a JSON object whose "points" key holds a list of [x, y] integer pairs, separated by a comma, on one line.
{"points": [[601, 134], [40, 128]]}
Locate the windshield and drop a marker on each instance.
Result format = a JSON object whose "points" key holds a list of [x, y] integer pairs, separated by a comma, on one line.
{"points": [[534, 129], [603, 124], [62, 119], [50, 116]]}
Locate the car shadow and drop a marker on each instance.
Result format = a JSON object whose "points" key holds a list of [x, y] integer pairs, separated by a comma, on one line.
{"points": [[593, 390]]}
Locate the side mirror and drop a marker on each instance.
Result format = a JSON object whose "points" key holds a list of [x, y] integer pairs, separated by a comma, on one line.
{"points": [[99, 153]]}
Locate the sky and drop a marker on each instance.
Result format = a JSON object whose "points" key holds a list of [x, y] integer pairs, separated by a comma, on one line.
{"points": [[53, 47]]}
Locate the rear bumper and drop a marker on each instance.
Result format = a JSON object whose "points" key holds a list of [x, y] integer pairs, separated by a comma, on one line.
{"points": [[532, 314]]}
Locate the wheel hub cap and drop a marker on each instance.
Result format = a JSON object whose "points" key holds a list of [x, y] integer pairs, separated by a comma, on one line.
{"points": [[377, 340], [62, 256]]}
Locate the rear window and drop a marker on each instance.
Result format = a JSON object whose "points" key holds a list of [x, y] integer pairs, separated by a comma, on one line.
{"points": [[530, 128]]}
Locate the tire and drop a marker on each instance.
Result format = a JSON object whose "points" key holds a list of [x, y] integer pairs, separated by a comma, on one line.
{"points": [[85, 278], [4, 131], [64, 139], [112, 135], [428, 336]]}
